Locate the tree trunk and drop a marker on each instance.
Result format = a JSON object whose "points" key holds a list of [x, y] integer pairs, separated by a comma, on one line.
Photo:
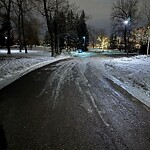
{"points": [[22, 25], [48, 21], [19, 25], [57, 30], [9, 27]]}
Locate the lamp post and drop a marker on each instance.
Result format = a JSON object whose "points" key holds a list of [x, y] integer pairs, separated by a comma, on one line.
{"points": [[126, 22], [84, 40], [6, 41]]}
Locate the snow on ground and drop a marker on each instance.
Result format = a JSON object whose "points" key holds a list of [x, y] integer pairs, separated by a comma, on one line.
{"points": [[133, 74], [106, 51], [18, 64]]}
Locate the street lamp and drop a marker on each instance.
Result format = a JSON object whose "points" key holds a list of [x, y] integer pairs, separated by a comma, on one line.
{"points": [[126, 22], [84, 40]]}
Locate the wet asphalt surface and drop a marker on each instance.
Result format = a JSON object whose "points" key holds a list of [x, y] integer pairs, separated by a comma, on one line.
{"points": [[69, 105]]}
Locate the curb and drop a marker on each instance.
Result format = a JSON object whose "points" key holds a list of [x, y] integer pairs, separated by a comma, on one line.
{"points": [[123, 90]]}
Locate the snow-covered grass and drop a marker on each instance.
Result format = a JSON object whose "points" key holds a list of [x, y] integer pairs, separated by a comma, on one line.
{"points": [[18, 64], [106, 51], [133, 74], [96, 52]]}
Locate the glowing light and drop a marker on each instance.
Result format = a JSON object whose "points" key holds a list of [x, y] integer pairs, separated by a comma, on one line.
{"points": [[126, 22], [104, 42]]}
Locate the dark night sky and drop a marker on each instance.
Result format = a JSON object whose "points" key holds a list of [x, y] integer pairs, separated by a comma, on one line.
{"points": [[99, 10]]}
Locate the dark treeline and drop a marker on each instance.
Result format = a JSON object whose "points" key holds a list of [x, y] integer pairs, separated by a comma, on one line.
{"points": [[20, 24]]}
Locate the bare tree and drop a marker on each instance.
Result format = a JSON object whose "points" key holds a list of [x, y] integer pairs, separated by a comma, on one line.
{"points": [[146, 11], [32, 25], [101, 37], [94, 33], [48, 17], [6, 6], [21, 20], [55, 14], [47, 9], [21, 10], [125, 10], [92, 36], [17, 21]]}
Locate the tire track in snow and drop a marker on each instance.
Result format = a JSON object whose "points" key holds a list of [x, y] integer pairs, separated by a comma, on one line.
{"points": [[84, 81], [60, 76]]}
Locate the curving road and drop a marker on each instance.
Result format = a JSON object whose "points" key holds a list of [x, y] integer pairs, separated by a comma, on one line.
{"points": [[70, 105]]}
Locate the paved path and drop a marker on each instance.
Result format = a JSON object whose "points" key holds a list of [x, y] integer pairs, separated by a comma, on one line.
{"points": [[69, 105]]}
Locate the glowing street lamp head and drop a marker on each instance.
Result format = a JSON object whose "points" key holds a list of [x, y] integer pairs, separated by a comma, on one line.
{"points": [[83, 37], [126, 22]]}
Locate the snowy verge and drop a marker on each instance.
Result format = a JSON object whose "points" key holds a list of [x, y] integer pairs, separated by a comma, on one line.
{"points": [[131, 74], [17, 64], [134, 94]]}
